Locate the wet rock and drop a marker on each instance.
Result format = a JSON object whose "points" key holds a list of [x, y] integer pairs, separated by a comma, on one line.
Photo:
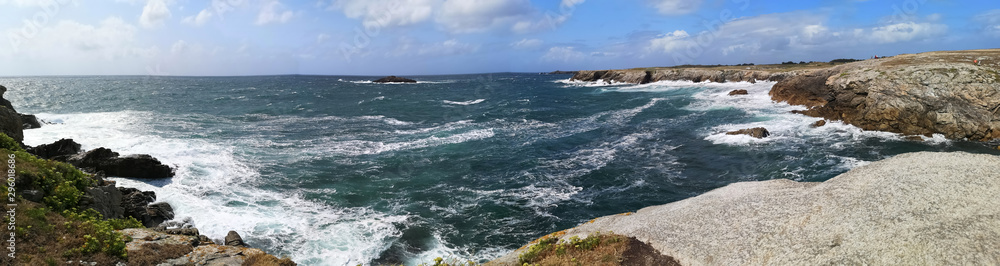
{"points": [[29, 121], [60, 148], [819, 123], [757, 132], [158, 213], [738, 92], [138, 165]]}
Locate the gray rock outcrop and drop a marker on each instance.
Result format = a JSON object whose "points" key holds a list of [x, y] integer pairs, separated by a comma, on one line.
{"points": [[915, 94], [913, 209]]}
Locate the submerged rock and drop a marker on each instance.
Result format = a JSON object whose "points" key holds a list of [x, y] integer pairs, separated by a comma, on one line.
{"points": [[394, 79], [913, 209], [738, 92], [819, 123], [757, 132]]}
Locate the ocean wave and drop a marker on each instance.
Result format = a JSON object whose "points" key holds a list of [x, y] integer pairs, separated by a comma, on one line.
{"points": [[465, 102], [211, 177]]}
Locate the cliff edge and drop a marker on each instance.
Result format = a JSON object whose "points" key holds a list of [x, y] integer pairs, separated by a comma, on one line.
{"points": [[913, 209], [953, 93]]}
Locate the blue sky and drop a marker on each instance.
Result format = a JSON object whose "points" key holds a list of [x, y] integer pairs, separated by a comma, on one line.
{"points": [[415, 37]]}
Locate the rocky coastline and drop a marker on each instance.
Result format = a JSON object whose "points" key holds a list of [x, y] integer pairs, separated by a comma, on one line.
{"points": [[923, 208], [156, 241], [952, 93]]}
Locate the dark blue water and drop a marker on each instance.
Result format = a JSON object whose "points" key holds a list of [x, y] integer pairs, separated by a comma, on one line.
{"points": [[334, 170]]}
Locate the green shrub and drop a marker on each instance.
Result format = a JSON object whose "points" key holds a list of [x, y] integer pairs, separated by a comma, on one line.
{"points": [[9, 143]]}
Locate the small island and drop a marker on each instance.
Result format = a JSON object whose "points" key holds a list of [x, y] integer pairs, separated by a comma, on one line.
{"points": [[394, 79]]}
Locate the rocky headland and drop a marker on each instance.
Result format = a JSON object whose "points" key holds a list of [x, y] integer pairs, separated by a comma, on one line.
{"points": [[913, 209], [68, 212], [953, 93]]}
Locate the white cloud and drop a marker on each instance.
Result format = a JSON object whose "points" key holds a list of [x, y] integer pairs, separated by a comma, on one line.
{"points": [[563, 54], [384, 13], [903, 32], [154, 14], [671, 42], [676, 7], [990, 21], [457, 16], [322, 37], [449, 47], [179, 47], [273, 12], [526, 43], [68, 40], [571, 3], [479, 16], [198, 20]]}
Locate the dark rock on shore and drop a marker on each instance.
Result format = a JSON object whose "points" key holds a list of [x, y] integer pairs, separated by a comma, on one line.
{"points": [[738, 92], [757, 132], [62, 147], [106, 200], [138, 165], [29, 121], [139, 205], [234, 239], [394, 79]]}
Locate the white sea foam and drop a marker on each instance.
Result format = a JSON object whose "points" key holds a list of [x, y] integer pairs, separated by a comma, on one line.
{"points": [[217, 188], [465, 102], [326, 146]]}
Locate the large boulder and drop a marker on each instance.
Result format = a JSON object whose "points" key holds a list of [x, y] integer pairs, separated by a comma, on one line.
{"points": [[29, 121], [394, 79], [158, 213], [138, 165], [60, 148], [234, 239], [106, 200], [913, 209]]}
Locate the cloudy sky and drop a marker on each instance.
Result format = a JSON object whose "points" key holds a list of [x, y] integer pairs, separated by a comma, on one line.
{"points": [[411, 37]]}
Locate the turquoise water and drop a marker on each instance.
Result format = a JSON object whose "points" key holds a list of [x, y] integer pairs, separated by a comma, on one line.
{"points": [[337, 171]]}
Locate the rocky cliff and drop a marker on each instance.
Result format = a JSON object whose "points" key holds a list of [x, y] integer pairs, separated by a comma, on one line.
{"points": [[912, 209], [953, 93], [956, 94], [692, 74]]}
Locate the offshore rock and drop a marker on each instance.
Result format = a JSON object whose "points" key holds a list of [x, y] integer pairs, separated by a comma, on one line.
{"points": [[394, 79], [913, 209], [757, 132], [738, 92], [10, 120]]}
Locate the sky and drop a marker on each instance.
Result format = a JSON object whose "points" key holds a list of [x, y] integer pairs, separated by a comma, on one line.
{"points": [[426, 37]]}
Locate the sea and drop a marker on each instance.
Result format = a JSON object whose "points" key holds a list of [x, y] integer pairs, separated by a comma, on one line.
{"points": [[337, 170]]}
